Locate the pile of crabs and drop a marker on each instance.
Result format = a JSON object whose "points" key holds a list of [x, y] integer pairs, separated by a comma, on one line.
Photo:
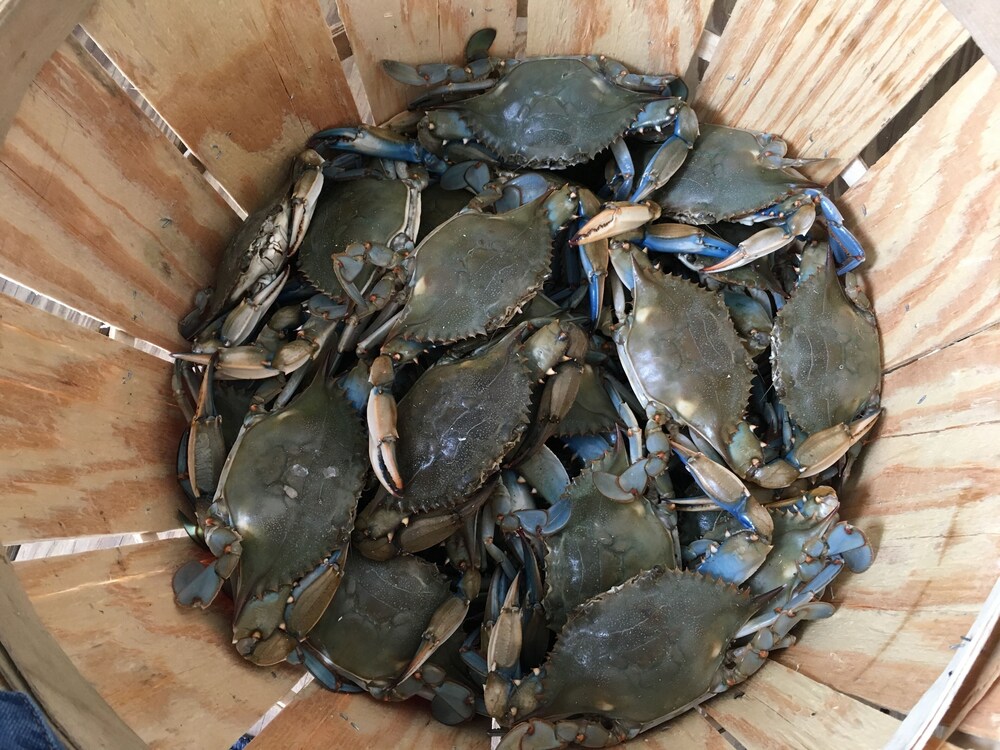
{"points": [[513, 404]]}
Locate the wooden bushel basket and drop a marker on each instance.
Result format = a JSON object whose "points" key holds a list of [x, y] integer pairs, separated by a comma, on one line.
{"points": [[104, 212]]}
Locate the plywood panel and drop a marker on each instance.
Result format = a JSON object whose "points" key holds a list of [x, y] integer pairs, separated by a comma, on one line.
{"points": [[318, 717], [781, 708], [825, 76], [244, 84], [651, 37], [171, 673], [928, 502], [88, 432], [983, 22], [29, 31], [929, 214], [958, 385], [100, 210], [433, 31], [32, 662]]}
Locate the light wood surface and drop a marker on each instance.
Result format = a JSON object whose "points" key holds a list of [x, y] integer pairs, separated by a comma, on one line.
{"points": [[100, 211], [417, 32], [782, 708], [929, 214], [982, 19], [318, 717], [32, 662], [170, 673], [927, 501], [88, 432], [658, 36], [825, 76], [959, 385], [244, 84], [29, 32]]}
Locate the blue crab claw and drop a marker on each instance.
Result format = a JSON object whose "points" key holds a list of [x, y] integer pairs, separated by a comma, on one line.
{"points": [[379, 142], [196, 585], [319, 669], [736, 559], [445, 621], [823, 449], [725, 489], [850, 543], [537, 521], [670, 155], [682, 238], [796, 223], [846, 249], [616, 218], [545, 473]]}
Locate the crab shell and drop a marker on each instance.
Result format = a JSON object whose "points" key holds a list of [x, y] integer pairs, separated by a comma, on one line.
{"points": [[362, 210], [605, 543], [457, 423], [291, 489], [550, 113], [373, 626], [682, 354], [473, 272], [725, 178], [825, 349], [639, 652]]}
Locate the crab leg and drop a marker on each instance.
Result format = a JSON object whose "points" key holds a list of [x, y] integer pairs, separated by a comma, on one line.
{"points": [[380, 142], [382, 434], [795, 219]]}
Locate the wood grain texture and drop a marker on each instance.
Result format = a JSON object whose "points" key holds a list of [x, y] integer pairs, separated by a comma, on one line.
{"points": [[650, 37], [976, 709], [825, 76], [956, 386], [928, 503], [29, 32], [983, 22], [244, 84], [100, 210], [417, 32], [171, 673], [935, 195], [781, 708], [318, 717], [32, 662], [88, 432]]}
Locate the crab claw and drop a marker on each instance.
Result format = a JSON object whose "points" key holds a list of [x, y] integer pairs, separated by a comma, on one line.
{"points": [[725, 489], [616, 218], [305, 193], [382, 433], [823, 449], [768, 240]]}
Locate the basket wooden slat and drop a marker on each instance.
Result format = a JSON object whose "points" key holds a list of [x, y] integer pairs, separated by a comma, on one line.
{"points": [[244, 84], [91, 422], [169, 672], [32, 662], [954, 387], [319, 718], [929, 214], [29, 31], [826, 76], [929, 502], [100, 210], [651, 37], [977, 706], [417, 33], [788, 710]]}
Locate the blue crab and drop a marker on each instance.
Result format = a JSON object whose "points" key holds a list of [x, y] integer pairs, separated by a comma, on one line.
{"points": [[551, 112], [731, 176], [458, 423], [827, 362], [382, 631], [634, 657], [295, 473], [252, 270]]}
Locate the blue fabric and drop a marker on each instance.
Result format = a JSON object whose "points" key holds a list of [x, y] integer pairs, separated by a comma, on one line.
{"points": [[22, 725]]}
